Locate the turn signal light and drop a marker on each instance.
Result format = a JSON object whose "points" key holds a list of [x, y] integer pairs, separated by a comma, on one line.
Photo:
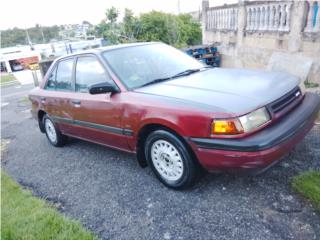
{"points": [[227, 126]]}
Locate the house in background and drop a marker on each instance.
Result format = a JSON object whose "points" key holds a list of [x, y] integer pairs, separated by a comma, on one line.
{"points": [[18, 58]]}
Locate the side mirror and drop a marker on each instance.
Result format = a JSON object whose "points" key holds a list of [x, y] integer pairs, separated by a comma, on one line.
{"points": [[104, 87]]}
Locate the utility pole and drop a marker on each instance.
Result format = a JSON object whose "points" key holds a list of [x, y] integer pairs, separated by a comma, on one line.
{"points": [[28, 39], [43, 41], [179, 7]]}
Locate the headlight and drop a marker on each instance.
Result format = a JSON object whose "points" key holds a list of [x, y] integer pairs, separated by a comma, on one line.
{"points": [[243, 124], [254, 119]]}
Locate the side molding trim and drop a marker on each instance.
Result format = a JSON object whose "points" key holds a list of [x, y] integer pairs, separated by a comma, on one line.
{"points": [[106, 128]]}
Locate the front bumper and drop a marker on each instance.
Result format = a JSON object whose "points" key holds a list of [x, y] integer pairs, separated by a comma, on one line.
{"points": [[261, 150]]}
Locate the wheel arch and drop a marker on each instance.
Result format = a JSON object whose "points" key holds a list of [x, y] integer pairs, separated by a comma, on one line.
{"points": [[143, 133], [41, 114]]}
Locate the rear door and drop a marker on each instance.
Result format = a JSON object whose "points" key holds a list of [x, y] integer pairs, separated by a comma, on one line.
{"points": [[59, 92], [96, 117]]}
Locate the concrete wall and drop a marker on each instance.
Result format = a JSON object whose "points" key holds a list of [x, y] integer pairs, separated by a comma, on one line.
{"points": [[249, 40]]}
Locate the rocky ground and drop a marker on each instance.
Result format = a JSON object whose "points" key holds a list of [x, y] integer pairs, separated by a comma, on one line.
{"points": [[111, 195]]}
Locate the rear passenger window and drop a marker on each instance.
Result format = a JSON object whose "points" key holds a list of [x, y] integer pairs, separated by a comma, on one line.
{"points": [[64, 75], [51, 83], [89, 71]]}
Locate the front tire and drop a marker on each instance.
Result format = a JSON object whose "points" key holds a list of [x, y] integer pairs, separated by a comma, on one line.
{"points": [[55, 137], [170, 160]]}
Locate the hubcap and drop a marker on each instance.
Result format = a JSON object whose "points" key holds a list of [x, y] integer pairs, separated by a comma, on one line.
{"points": [[167, 160], [51, 131]]}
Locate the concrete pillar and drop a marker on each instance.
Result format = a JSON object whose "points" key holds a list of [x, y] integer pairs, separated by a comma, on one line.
{"points": [[298, 10], [241, 26], [241, 22], [204, 8], [9, 70]]}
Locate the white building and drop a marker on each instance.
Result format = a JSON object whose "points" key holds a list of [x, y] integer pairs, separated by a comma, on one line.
{"points": [[17, 58]]}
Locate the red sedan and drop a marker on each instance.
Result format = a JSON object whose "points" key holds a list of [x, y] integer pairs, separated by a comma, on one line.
{"points": [[178, 115]]}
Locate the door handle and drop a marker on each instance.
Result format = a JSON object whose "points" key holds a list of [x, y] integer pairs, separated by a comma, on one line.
{"points": [[76, 102]]}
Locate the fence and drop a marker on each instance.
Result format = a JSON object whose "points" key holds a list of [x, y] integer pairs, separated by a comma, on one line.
{"points": [[222, 18]]}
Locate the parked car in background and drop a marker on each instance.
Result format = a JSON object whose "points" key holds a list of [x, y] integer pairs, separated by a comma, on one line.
{"points": [[17, 67], [178, 115]]}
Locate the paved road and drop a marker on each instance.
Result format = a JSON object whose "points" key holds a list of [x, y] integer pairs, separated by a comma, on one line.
{"points": [[111, 195]]}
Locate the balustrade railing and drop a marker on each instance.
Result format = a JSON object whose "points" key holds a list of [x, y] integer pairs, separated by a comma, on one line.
{"points": [[220, 19], [269, 16], [263, 16]]}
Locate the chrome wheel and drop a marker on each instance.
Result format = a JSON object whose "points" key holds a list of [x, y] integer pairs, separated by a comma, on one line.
{"points": [[51, 131], [167, 160]]}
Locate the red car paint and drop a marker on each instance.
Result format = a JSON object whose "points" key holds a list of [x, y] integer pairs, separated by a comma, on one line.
{"points": [[127, 113], [259, 160]]}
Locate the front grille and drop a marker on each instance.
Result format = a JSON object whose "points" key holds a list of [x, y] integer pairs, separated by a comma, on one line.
{"points": [[287, 102]]}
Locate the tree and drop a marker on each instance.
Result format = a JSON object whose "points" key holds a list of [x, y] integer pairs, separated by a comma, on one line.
{"points": [[112, 14], [129, 24], [176, 30], [108, 28], [17, 36], [190, 30]]}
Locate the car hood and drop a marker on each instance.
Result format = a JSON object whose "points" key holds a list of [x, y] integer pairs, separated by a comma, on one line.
{"points": [[235, 91]]}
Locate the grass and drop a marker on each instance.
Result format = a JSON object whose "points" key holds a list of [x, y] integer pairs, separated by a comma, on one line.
{"points": [[26, 217], [6, 78], [308, 184], [311, 84]]}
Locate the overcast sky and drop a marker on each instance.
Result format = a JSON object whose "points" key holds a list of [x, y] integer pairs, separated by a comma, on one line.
{"points": [[26, 13]]}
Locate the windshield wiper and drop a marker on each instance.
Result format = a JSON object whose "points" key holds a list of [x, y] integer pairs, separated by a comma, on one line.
{"points": [[186, 72], [180, 74], [155, 81]]}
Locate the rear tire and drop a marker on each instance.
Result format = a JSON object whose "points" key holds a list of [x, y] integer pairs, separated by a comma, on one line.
{"points": [[55, 137], [170, 160]]}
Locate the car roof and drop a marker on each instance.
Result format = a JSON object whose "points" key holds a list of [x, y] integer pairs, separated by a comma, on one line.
{"points": [[118, 46], [107, 48]]}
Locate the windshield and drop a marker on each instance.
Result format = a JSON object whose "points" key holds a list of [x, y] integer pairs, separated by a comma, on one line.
{"points": [[138, 65]]}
